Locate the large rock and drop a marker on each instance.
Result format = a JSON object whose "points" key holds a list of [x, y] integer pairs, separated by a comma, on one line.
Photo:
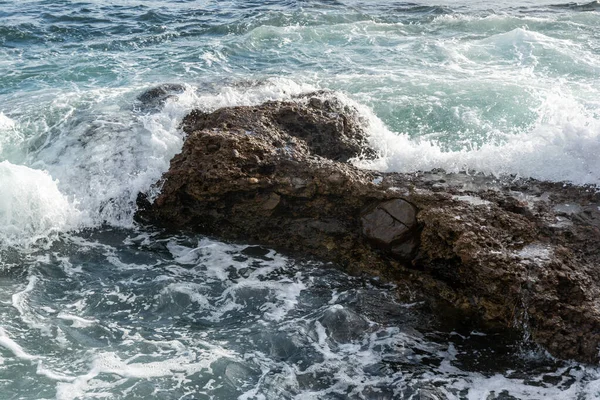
{"points": [[517, 253]]}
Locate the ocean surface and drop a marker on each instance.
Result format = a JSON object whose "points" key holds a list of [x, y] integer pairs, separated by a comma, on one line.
{"points": [[93, 306]]}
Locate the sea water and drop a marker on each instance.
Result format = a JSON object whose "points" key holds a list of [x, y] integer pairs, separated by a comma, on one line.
{"points": [[94, 306]]}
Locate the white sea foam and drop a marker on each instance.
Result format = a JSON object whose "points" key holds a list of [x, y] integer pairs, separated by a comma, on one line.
{"points": [[538, 253], [14, 347], [53, 375], [5, 122], [192, 290], [32, 208], [104, 157], [178, 367], [28, 314], [562, 145], [77, 322], [251, 93]]}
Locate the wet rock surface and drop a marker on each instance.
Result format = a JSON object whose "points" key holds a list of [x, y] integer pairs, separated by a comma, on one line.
{"points": [[154, 98], [514, 253]]}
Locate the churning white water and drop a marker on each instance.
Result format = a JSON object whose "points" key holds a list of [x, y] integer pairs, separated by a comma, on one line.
{"points": [[94, 306]]}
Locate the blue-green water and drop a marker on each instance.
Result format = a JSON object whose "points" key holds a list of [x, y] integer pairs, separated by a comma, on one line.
{"points": [[93, 306]]}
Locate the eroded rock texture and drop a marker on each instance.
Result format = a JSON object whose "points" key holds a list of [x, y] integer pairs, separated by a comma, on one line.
{"points": [[519, 253]]}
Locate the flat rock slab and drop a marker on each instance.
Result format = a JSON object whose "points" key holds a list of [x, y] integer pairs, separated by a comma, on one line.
{"points": [[513, 253], [390, 225]]}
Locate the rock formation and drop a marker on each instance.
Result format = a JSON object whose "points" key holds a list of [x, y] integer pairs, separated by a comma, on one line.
{"points": [[514, 252]]}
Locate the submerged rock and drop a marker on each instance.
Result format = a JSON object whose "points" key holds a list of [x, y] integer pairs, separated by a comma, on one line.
{"points": [[343, 325], [513, 253], [153, 99]]}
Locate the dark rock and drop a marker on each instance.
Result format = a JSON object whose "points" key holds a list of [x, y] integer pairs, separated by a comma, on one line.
{"points": [[326, 127], [244, 176], [520, 253], [153, 99], [391, 225], [591, 6]]}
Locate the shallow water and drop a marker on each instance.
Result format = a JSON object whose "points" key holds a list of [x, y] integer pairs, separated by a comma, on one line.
{"points": [[94, 306]]}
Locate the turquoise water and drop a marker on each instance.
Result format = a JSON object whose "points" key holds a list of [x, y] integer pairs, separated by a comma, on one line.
{"points": [[94, 306]]}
